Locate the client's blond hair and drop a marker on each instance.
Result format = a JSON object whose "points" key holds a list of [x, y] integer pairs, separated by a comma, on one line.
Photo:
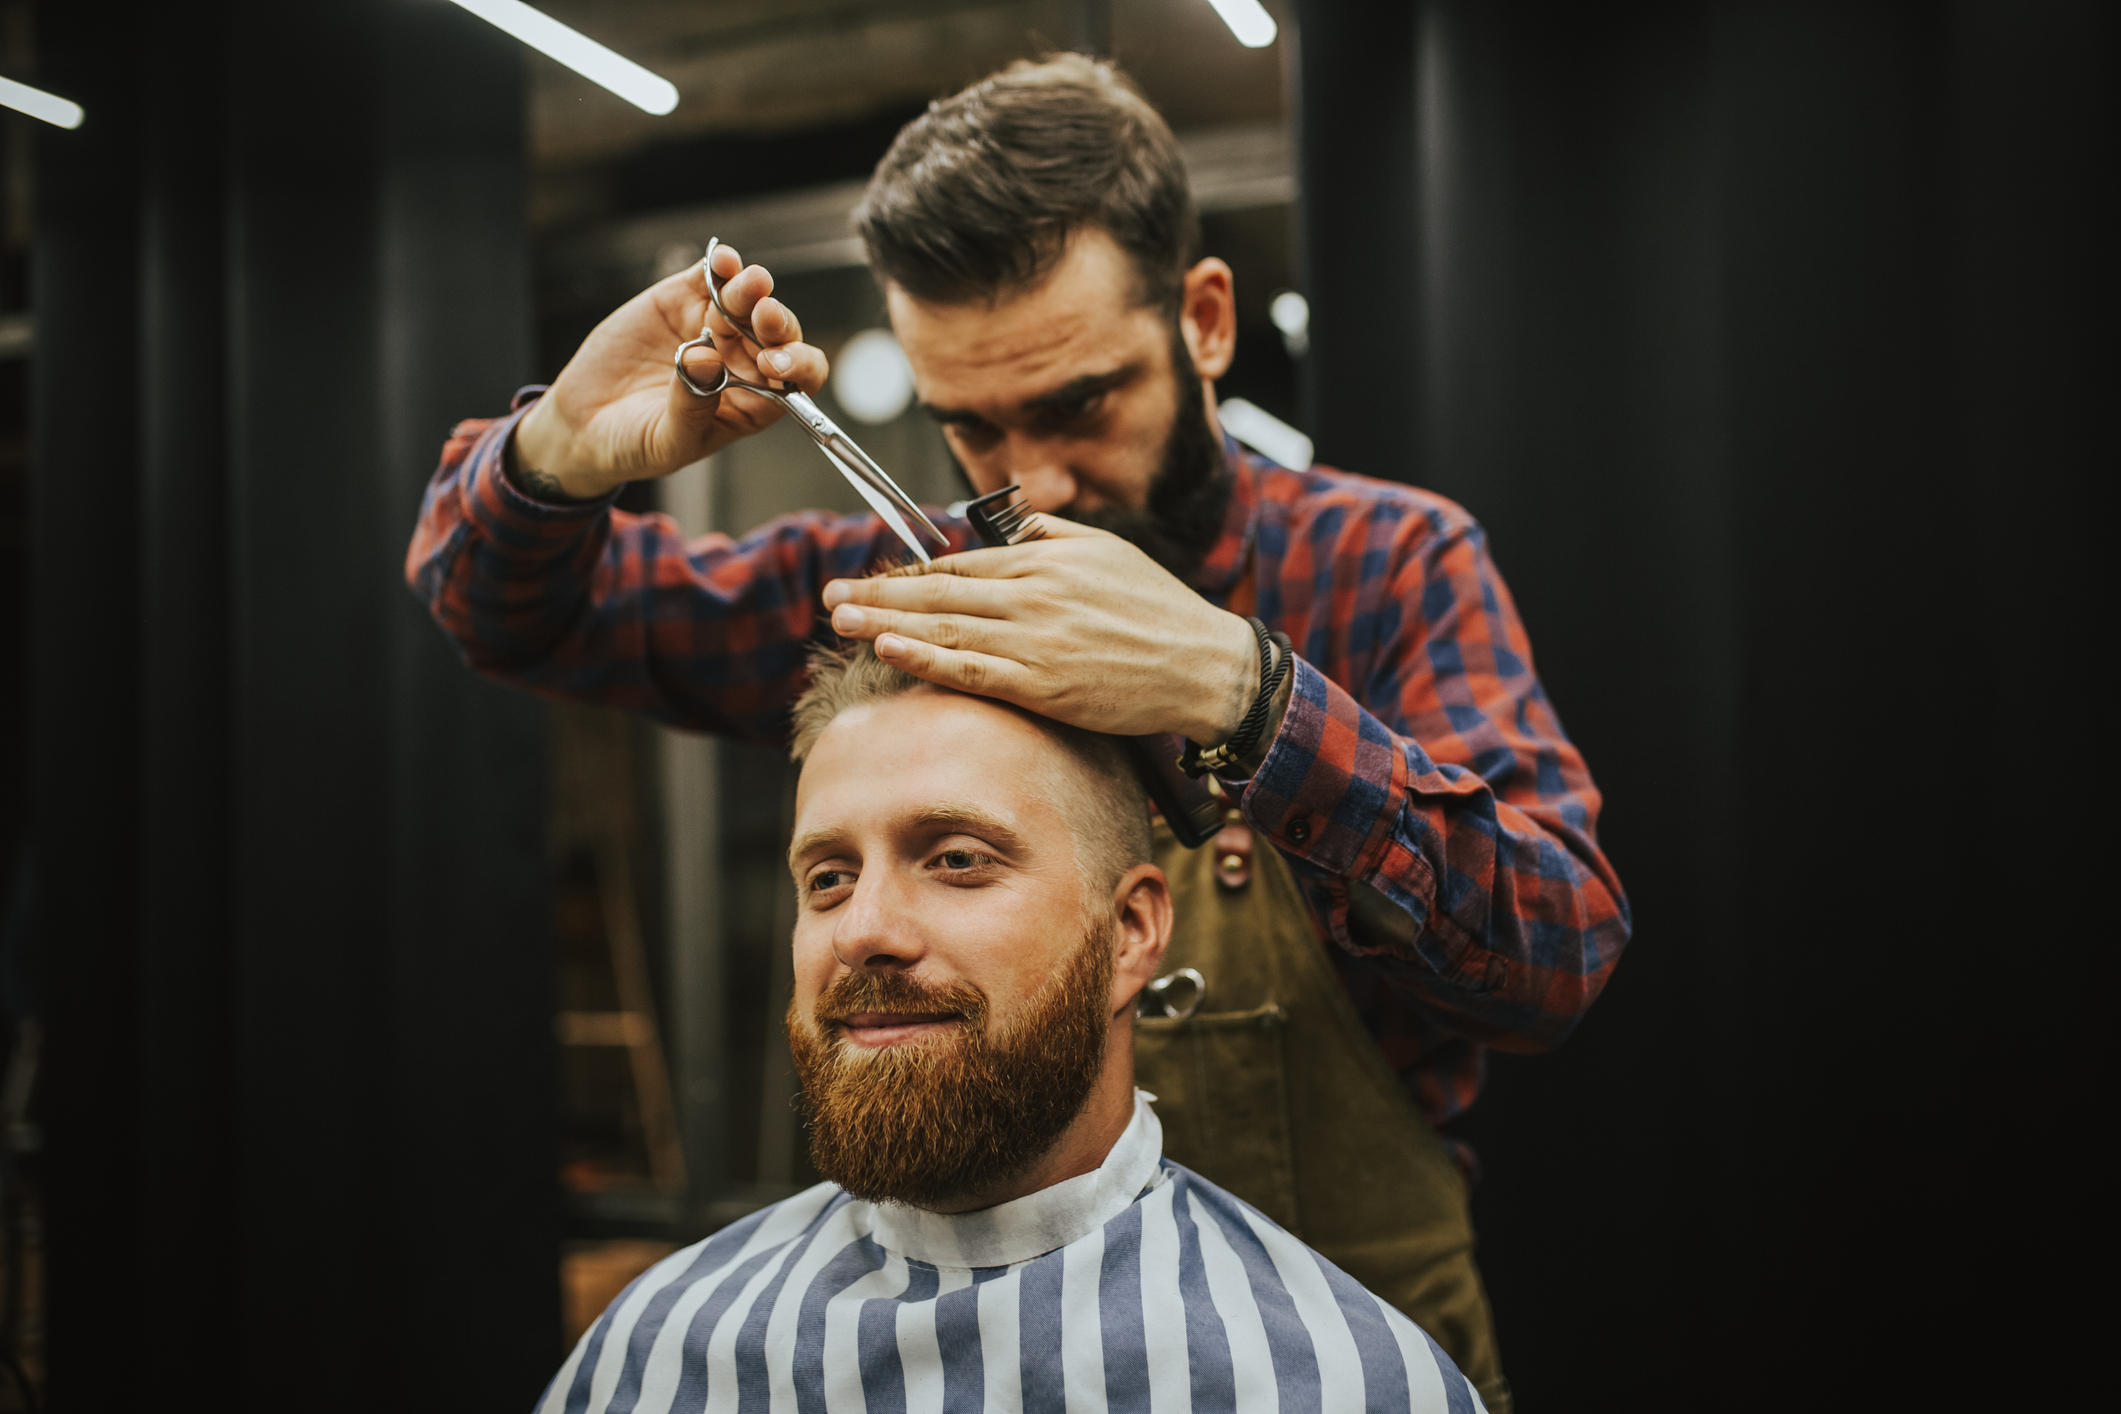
{"points": [[1102, 798]]}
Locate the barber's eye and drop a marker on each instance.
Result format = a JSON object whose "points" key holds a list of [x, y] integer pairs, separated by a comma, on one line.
{"points": [[976, 435], [1071, 416], [826, 880]]}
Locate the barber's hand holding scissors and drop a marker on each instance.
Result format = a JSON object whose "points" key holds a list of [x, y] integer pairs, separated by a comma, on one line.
{"points": [[1079, 626], [618, 413]]}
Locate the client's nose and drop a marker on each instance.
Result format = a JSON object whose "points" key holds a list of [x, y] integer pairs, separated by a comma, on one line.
{"points": [[875, 928]]}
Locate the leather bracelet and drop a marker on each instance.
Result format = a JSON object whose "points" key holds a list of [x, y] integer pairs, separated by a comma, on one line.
{"points": [[1197, 761]]}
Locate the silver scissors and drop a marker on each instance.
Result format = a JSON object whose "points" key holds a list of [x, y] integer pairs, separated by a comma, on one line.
{"points": [[899, 510]]}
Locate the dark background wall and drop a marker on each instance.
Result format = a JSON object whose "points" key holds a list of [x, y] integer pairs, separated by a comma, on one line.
{"points": [[295, 955], [1771, 344]]}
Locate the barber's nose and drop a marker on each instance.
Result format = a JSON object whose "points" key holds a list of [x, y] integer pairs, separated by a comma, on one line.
{"points": [[873, 928], [1047, 482]]}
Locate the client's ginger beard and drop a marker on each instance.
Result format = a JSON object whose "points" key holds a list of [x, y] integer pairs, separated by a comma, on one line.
{"points": [[963, 1112]]}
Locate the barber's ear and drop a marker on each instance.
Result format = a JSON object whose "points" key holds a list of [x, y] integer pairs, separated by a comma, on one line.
{"points": [[1141, 906], [1207, 317]]}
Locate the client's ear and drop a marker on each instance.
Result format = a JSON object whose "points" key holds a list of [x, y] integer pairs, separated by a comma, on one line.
{"points": [[1141, 908]]}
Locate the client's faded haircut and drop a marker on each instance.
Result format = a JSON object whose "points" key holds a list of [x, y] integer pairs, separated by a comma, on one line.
{"points": [[1105, 800]]}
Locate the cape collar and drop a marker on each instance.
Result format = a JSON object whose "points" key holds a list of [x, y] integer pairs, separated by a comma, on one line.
{"points": [[1036, 1223]]}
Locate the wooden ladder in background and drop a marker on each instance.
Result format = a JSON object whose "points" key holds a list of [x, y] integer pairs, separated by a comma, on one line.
{"points": [[597, 818], [633, 1024]]}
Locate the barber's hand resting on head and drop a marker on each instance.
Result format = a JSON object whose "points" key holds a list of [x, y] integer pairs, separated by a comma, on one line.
{"points": [[1080, 626], [618, 413]]}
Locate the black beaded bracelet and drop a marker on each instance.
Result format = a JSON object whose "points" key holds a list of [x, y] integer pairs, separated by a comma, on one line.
{"points": [[1196, 761]]}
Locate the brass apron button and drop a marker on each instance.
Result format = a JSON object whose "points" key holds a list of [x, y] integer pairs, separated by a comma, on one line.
{"points": [[1233, 856]]}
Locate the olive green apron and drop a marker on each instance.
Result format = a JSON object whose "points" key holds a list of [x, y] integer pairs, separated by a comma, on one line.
{"points": [[1272, 1089]]}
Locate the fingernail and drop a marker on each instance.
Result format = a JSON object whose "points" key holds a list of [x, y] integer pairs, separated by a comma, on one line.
{"points": [[837, 593], [890, 646], [847, 619], [778, 362]]}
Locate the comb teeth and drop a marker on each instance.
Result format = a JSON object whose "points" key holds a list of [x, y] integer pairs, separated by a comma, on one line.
{"points": [[1001, 518]]}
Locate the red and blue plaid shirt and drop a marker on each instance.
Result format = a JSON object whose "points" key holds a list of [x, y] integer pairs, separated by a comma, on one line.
{"points": [[1442, 825]]}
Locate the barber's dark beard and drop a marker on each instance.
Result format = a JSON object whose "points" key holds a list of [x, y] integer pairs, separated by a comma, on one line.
{"points": [[1191, 490], [960, 1114]]}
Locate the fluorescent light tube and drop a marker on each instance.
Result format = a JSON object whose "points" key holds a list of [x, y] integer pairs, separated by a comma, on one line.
{"points": [[649, 92], [1253, 26], [39, 104]]}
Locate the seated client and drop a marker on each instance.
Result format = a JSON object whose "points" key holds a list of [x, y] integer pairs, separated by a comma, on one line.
{"points": [[1000, 1229]]}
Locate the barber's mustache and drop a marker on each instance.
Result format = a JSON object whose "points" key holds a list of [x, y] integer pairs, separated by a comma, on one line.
{"points": [[898, 994]]}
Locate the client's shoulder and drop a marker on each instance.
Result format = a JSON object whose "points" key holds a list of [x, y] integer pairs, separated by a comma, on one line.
{"points": [[1254, 1269]]}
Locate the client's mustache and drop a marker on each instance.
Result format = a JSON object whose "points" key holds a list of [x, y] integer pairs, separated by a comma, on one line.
{"points": [[896, 994]]}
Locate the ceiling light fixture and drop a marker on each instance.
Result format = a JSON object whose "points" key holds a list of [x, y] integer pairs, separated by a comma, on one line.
{"points": [[39, 104], [871, 377], [1247, 19], [652, 93]]}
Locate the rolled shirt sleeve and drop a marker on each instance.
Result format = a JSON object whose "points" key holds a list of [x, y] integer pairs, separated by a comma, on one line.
{"points": [[589, 603], [1441, 826]]}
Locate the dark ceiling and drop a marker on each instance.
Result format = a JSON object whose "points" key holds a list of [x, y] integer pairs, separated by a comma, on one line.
{"points": [[803, 91]]}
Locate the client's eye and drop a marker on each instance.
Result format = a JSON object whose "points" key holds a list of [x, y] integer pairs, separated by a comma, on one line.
{"points": [[961, 859], [826, 880]]}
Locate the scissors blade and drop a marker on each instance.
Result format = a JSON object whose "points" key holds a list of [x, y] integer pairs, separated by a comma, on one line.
{"points": [[899, 510], [878, 502]]}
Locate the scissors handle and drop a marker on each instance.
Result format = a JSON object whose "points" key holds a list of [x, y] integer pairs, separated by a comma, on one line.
{"points": [[899, 510], [714, 293]]}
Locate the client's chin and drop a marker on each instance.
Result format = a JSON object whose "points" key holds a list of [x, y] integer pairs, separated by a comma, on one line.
{"points": [[914, 1095]]}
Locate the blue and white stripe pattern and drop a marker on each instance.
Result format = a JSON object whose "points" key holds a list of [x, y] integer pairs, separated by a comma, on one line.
{"points": [[1140, 1286]]}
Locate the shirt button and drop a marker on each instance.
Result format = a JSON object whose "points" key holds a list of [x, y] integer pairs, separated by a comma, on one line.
{"points": [[1300, 829]]}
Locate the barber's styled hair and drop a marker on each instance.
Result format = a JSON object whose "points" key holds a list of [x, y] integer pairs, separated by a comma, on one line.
{"points": [[1107, 804], [977, 198]]}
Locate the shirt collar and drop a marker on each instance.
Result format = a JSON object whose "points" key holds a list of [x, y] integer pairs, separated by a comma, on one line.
{"points": [[1225, 564], [1037, 1223]]}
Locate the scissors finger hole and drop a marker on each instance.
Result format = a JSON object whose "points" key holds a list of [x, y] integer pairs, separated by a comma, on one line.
{"points": [[678, 362]]}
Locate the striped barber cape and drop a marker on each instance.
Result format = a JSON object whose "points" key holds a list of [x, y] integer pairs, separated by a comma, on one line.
{"points": [[1140, 1286]]}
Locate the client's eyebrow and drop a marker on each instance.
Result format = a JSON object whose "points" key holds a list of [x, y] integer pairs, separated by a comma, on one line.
{"points": [[953, 817], [942, 817], [1075, 390]]}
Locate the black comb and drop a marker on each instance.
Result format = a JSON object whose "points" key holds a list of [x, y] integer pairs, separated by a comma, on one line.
{"points": [[1002, 518]]}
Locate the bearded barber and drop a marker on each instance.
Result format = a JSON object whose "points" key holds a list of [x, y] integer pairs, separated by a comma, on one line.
{"points": [[1411, 872]]}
